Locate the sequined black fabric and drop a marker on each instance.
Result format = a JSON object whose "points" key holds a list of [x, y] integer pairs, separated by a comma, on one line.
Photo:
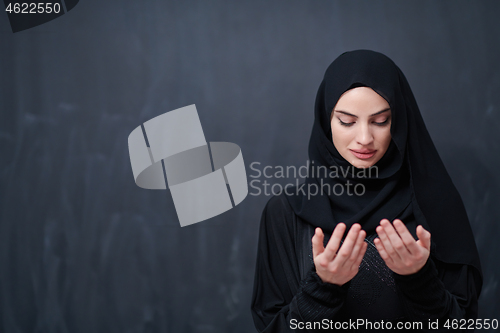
{"points": [[372, 292]]}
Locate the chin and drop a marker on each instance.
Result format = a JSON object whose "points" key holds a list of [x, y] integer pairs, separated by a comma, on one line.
{"points": [[363, 164]]}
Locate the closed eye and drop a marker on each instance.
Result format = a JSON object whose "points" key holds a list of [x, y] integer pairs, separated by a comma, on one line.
{"points": [[345, 124], [385, 122]]}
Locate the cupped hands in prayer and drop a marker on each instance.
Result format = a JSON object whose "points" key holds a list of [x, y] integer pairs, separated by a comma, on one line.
{"points": [[338, 264]]}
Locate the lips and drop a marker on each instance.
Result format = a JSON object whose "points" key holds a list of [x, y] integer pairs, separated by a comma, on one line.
{"points": [[363, 154]]}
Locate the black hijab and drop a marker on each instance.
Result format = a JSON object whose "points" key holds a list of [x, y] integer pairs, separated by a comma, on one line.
{"points": [[411, 184]]}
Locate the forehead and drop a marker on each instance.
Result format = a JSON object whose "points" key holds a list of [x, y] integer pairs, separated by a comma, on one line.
{"points": [[361, 100]]}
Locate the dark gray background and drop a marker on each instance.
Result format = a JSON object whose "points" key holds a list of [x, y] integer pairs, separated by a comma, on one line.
{"points": [[83, 249]]}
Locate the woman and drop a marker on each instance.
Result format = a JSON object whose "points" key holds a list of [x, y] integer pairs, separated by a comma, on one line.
{"points": [[388, 270]]}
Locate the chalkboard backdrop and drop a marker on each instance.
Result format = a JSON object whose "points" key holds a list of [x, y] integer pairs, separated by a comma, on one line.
{"points": [[83, 249]]}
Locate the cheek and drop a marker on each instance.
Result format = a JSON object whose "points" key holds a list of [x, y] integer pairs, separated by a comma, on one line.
{"points": [[341, 138], [384, 138]]}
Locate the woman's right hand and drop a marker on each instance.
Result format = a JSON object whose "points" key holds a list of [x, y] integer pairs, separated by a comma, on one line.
{"points": [[339, 267]]}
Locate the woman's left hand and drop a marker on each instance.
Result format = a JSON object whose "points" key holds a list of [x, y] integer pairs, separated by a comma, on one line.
{"points": [[401, 253]]}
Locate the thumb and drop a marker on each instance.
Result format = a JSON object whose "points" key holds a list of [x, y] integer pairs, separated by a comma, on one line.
{"points": [[317, 242], [424, 237]]}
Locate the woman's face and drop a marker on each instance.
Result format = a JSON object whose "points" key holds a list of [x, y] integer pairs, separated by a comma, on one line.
{"points": [[361, 124]]}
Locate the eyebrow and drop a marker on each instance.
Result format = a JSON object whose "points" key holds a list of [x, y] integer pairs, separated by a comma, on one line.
{"points": [[352, 115]]}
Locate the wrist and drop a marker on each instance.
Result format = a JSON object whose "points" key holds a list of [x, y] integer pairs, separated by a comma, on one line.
{"points": [[429, 268], [328, 281]]}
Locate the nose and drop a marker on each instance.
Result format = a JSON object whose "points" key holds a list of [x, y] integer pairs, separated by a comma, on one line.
{"points": [[364, 136]]}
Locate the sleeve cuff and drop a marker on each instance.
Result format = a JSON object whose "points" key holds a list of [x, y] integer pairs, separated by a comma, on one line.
{"points": [[423, 293], [422, 277], [318, 299]]}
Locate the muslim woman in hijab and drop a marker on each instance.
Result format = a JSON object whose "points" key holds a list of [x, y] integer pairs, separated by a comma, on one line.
{"points": [[399, 249]]}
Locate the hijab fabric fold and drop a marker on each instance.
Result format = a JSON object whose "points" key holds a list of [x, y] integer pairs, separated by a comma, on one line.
{"points": [[409, 182]]}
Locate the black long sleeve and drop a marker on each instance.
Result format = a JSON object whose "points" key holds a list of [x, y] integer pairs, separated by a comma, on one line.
{"points": [[318, 300], [445, 293], [280, 295]]}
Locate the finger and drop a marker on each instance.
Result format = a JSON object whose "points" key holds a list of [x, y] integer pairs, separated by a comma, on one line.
{"points": [[424, 237], [382, 251], [357, 246], [361, 254], [317, 242], [391, 252], [334, 242], [406, 237], [348, 245], [396, 241]]}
